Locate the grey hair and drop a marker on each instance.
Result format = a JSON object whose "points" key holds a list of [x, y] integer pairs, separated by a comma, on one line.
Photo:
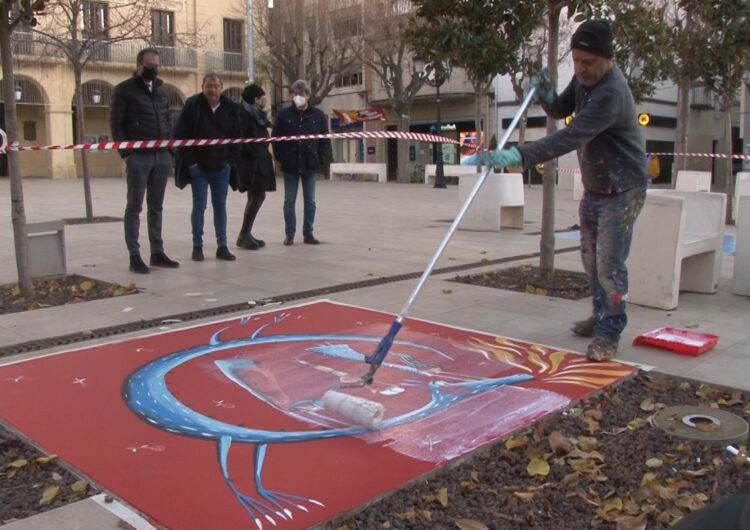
{"points": [[302, 85]]}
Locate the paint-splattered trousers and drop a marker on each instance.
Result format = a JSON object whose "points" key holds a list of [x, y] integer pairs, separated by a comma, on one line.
{"points": [[606, 232]]}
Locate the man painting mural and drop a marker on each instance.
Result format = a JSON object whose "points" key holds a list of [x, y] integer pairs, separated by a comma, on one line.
{"points": [[612, 159]]}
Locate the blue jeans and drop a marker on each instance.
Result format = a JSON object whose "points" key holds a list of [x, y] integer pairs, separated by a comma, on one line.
{"points": [[200, 181], [606, 232], [291, 184], [147, 175]]}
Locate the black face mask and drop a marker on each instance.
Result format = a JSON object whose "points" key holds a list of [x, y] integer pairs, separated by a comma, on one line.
{"points": [[149, 73]]}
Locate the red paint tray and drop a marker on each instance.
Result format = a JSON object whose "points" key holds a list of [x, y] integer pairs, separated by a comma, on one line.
{"points": [[682, 341]]}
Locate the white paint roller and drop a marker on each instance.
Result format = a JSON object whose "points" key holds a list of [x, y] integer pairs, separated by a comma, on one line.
{"points": [[356, 409]]}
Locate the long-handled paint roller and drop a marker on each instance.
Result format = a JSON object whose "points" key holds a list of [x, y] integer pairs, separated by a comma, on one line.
{"points": [[376, 359], [369, 413]]}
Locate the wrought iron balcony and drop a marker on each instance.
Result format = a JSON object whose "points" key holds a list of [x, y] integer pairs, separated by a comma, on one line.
{"points": [[220, 61]]}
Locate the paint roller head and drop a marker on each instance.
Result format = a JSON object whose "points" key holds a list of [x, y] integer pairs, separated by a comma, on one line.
{"points": [[357, 410]]}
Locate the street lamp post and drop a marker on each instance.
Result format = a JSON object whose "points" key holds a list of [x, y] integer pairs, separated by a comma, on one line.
{"points": [[440, 75]]}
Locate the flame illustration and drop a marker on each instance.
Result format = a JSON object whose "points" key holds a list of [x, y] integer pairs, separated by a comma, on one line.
{"points": [[548, 364]]}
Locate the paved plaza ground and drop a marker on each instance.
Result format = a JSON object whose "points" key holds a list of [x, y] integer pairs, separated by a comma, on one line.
{"points": [[369, 231]]}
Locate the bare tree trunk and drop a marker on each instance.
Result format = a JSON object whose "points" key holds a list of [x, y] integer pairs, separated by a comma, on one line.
{"points": [[547, 239], [728, 186], [402, 150], [18, 213], [683, 117], [80, 136]]}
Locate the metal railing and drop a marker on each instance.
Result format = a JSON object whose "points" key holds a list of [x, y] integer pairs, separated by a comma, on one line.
{"points": [[26, 43], [219, 61]]}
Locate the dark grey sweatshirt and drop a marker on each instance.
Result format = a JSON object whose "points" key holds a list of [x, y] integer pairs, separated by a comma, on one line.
{"points": [[605, 132]]}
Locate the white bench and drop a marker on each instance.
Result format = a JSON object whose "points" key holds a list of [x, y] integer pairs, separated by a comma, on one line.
{"points": [[677, 245], [359, 168], [693, 181], [449, 170], [741, 276], [46, 244], [570, 179], [741, 187], [498, 204]]}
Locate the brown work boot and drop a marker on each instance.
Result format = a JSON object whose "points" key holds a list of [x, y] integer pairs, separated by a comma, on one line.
{"points": [[601, 349], [584, 328]]}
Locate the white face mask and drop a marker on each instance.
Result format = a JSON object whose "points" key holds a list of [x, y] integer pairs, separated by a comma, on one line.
{"points": [[300, 101]]}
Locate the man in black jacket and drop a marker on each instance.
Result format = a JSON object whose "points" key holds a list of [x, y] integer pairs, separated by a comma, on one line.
{"points": [[300, 160], [209, 114], [612, 158], [140, 111]]}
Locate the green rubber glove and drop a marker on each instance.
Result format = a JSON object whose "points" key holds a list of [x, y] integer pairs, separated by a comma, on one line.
{"points": [[502, 159], [545, 92]]}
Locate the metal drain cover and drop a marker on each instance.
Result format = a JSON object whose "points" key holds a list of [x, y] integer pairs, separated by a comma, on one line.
{"points": [[703, 424]]}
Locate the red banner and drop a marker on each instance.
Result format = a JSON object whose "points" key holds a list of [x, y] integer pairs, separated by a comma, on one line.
{"points": [[353, 116]]}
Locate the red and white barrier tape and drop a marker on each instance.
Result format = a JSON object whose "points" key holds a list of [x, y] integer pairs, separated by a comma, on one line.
{"points": [[705, 155], [158, 144]]}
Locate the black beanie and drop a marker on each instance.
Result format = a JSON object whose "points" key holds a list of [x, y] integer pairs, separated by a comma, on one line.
{"points": [[593, 36], [251, 92]]}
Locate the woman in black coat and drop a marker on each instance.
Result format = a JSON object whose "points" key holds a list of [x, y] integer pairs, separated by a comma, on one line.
{"points": [[256, 173]]}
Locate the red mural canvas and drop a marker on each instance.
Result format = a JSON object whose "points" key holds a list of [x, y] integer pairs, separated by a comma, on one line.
{"points": [[222, 424]]}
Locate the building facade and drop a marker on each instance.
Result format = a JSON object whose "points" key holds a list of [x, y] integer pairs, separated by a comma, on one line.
{"points": [[198, 36], [193, 37]]}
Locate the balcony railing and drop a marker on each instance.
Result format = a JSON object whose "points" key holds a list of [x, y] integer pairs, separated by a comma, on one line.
{"points": [[25, 43], [125, 52], [218, 61]]}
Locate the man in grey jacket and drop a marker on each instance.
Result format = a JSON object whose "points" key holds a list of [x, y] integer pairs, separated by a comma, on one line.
{"points": [[612, 159], [140, 111]]}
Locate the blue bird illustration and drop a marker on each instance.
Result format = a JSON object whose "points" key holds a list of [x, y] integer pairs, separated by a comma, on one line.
{"points": [[147, 394]]}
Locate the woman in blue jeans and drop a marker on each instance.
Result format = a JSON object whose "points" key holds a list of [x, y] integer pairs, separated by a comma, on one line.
{"points": [[209, 115]]}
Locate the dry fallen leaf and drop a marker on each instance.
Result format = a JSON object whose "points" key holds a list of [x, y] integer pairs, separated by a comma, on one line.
{"points": [[21, 462], [470, 524], [46, 459], [443, 496], [49, 494], [79, 486], [558, 443], [648, 404], [523, 495], [538, 466], [659, 383], [654, 462], [515, 443]]}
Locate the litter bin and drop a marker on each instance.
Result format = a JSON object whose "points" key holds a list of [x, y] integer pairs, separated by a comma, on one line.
{"points": [[46, 243]]}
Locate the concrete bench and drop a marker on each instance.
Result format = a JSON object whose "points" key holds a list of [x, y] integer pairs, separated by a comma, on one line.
{"points": [[570, 179], [359, 168], [741, 276], [46, 244], [741, 187], [498, 204], [677, 245], [449, 170], [693, 181]]}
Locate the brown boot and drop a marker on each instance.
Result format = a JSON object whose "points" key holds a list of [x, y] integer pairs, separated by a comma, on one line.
{"points": [[601, 349], [584, 328]]}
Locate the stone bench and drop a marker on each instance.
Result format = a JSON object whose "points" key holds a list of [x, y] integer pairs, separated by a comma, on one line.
{"points": [[358, 168], [741, 187], [741, 276], [498, 204], [693, 181], [46, 244], [449, 170], [677, 245]]}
